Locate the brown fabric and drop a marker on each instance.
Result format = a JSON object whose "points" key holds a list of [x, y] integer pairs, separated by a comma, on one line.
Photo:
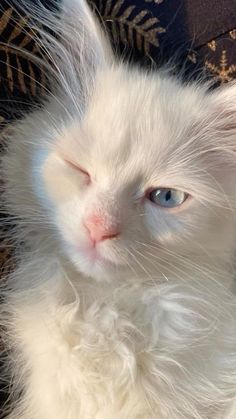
{"points": [[217, 57], [155, 31], [208, 20]]}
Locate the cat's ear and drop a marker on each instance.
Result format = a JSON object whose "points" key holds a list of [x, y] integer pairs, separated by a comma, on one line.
{"points": [[218, 119], [222, 110], [86, 48], [76, 48], [84, 35]]}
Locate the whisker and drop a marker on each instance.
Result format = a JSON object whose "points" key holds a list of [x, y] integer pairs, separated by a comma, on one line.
{"points": [[137, 261]]}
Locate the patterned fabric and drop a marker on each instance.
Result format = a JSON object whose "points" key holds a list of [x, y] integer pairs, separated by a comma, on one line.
{"points": [[200, 37]]}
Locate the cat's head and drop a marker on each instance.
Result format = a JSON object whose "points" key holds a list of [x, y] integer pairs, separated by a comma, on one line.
{"points": [[144, 174]]}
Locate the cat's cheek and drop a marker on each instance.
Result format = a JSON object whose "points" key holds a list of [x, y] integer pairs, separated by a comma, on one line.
{"points": [[164, 227], [60, 181], [66, 218]]}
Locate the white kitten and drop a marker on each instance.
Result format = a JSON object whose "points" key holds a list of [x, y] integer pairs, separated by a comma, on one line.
{"points": [[124, 191]]}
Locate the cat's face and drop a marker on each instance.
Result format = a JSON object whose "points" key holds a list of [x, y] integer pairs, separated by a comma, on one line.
{"points": [[133, 187]]}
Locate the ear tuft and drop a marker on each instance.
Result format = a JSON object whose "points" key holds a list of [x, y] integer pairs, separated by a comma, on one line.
{"points": [[83, 34], [75, 48], [223, 109], [83, 50]]}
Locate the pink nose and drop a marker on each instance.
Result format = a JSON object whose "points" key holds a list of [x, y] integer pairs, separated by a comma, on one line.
{"points": [[98, 229]]}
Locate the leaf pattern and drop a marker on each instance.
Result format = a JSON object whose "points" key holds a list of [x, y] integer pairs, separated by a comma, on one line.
{"points": [[222, 71], [130, 25], [5, 19], [219, 58], [17, 72]]}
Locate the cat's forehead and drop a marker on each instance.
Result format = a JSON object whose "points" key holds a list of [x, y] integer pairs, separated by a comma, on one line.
{"points": [[142, 114], [137, 123], [133, 105]]}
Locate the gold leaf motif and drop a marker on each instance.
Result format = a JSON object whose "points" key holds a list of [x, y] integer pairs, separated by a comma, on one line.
{"points": [[133, 27], [212, 45], [16, 77], [232, 34], [32, 80], [17, 29], [26, 40], [9, 71], [223, 72], [126, 14], [5, 19], [20, 74]]}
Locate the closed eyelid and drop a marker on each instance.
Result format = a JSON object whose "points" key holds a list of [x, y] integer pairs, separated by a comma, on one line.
{"points": [[76, 166]]}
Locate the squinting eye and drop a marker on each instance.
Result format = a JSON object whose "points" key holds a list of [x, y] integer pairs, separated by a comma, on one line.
{"points": [[78, 168], [167, 197]]}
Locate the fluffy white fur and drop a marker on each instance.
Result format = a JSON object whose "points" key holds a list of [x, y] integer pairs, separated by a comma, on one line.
{"points": [[146, 327]]}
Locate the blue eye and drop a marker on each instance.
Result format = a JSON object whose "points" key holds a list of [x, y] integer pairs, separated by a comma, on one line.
{"points": [[167, 197]]}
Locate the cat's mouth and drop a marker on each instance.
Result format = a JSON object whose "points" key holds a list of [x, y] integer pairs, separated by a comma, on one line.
{"points": [[96, 261], [94, 255]]}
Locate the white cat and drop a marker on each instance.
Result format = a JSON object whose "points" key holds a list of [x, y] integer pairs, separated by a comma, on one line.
{"points": [[123, 188]]}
